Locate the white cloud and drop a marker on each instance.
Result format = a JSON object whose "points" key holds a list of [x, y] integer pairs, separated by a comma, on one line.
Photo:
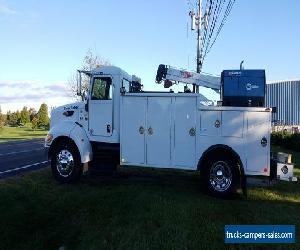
{"points": [[7, 10], [15, 95]]}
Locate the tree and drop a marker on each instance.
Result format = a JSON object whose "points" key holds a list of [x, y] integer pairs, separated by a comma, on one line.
{"points": [[34, 123], [32, 114], [8, 114], [24, 116], [43, 118], [18, 114], [14, 119], [90, 62], [2, 119]]}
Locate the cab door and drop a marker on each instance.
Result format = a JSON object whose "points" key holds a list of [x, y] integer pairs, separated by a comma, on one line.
{"points": [[101, 106]]}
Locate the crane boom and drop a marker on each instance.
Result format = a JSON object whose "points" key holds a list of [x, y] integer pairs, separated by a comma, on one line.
{"points": [[171, 74]]}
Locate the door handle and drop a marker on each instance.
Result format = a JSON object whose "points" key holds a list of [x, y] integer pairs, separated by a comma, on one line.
{"points": [[108, 128], [150, 131], [141, 130], [192, 132]]}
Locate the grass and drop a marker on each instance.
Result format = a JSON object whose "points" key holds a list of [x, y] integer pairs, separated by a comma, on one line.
{"points": [[20, 133], [135, 209]]}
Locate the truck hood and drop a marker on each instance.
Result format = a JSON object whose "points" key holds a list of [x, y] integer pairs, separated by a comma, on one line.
{"points": [[68, 107], [68, 112]]}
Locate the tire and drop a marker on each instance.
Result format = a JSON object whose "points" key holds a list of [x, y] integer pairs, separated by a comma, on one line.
{"points": [[66, 163], [221, 176]]}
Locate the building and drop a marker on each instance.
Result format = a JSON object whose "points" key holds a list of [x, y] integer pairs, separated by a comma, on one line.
{"points": [[285, 96]]}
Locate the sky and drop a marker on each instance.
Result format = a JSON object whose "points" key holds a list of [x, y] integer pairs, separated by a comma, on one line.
{"points": [[42, 43]]}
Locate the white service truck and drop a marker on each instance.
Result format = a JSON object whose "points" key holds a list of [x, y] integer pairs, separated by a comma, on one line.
{"points": [[118, 123]]}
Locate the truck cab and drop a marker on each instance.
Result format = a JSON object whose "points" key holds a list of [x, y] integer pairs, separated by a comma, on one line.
{"points": [[88, 131], [101, 114]]}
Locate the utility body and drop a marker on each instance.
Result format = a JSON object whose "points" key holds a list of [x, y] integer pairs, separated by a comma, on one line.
{"points": [[118, 123]]}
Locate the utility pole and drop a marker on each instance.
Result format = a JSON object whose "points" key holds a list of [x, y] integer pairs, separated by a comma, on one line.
{"points": [[196, 19], [199, 45]]}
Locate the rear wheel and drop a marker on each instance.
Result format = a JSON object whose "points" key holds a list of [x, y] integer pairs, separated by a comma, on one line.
{"points": [[221, 176], [65, 163]]}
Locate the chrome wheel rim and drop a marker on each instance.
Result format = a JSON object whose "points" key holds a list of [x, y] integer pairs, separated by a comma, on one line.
{"points": [[65, 163], [220, 176]]}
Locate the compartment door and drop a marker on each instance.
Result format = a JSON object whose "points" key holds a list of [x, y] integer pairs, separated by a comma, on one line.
{"points": [[185, 132], [158, 143], [258, 153], [133, 129], [210, 123]]}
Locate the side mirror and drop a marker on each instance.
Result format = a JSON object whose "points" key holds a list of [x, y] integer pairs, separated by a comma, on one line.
{"points": [[86, 106], [84, 96], [79, 83]]}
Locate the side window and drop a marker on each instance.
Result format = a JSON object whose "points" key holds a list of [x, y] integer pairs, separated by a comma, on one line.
{"points": [[126, 85], [102, 89]]}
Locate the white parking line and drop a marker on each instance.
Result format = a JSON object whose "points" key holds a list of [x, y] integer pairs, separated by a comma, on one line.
{"points": [[21, 143], [24, 167], [23, 151]]}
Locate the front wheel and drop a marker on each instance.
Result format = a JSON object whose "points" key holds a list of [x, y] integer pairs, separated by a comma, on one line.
{"points": [[221, 176], [65, 163]]}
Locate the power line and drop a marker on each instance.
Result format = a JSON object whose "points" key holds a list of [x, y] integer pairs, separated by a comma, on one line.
{"points": [[211, 16], [207, 17], [226, 14], [215, 21], [211, 23]]}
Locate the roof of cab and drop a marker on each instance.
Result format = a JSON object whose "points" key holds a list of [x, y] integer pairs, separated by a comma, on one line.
{"points": [[109, 70]]}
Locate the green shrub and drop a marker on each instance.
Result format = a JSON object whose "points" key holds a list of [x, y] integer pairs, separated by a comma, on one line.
{"points": [[293, 142], [286, 140]]}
